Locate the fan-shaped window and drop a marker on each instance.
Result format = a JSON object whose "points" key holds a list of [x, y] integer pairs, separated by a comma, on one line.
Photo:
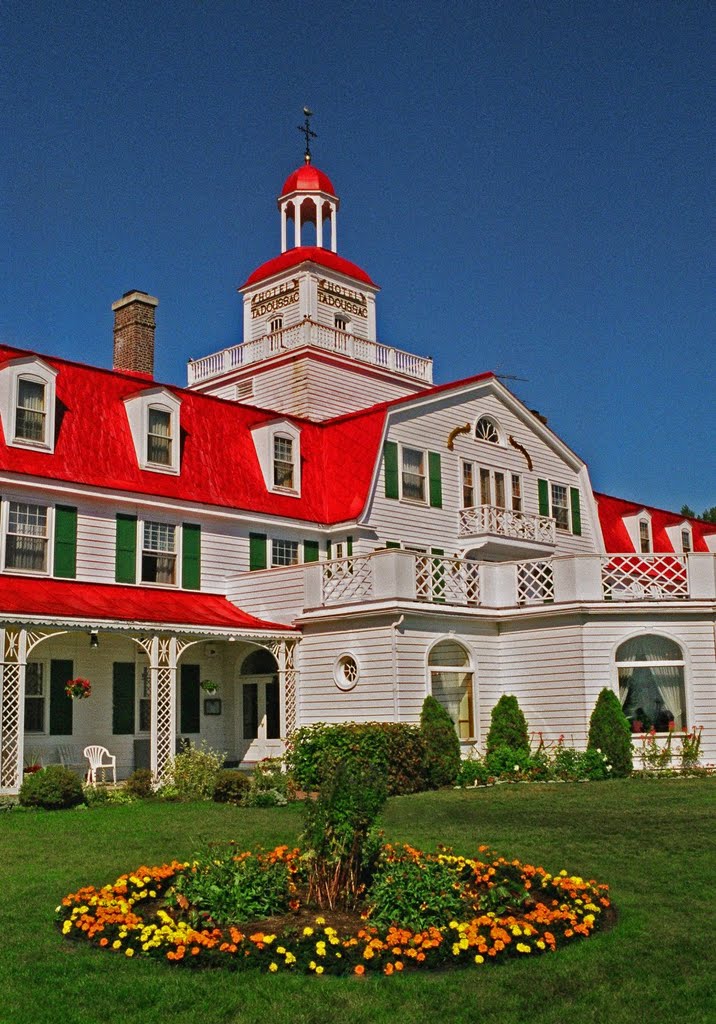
{"points": [[451, 683], [259, 663], [651, 683], [486, 430]]}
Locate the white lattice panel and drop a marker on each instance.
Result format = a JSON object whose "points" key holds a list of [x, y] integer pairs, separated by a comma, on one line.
{"points": [[644, 577], [447, 580], [165, 717], [535, 582], [350, 579], [10, 728]]}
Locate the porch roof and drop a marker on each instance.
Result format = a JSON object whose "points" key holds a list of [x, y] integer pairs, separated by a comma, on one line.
{"points": [[98, 603]]}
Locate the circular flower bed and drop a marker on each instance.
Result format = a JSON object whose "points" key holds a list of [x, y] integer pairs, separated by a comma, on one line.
{"points": [[247, 910]]}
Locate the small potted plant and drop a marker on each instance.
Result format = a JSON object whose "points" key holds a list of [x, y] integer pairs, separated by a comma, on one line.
{"points": [[209, 686], [78, 689], [32, 763]]}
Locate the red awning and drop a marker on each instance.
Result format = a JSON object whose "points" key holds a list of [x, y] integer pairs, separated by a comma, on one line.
{"points": [[97, 603]]}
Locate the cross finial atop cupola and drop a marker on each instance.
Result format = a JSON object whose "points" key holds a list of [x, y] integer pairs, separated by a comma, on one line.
{"points": [[306, 130]]}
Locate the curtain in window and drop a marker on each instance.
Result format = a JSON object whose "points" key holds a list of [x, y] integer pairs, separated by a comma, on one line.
{"points": [[30, 423], [454, 691]]}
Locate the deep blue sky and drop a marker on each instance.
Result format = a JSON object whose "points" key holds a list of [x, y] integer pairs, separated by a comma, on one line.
{"points": [[530, 183]]}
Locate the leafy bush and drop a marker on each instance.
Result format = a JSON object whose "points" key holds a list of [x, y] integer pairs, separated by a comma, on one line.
{"points": [[474, 772], [266, 798], [508, 726], [53, 788], [414, 892], [98, 795], [339, 835], [192, 774], [393, 750], [508, 761], [609, 732], [140, 783], [441, 757], [231, 786]]}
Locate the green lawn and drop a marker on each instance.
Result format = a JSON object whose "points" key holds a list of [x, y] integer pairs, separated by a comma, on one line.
{"points": [[652, 842]]}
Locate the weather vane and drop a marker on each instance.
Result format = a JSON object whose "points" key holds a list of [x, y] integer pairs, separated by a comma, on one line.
{"points": [[306, 130]]}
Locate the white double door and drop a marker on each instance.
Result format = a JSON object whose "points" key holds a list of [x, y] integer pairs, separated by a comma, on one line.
{"points": [[259, 718]]}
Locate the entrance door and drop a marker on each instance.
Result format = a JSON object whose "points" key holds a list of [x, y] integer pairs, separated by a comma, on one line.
{"points": [[259, 724]]}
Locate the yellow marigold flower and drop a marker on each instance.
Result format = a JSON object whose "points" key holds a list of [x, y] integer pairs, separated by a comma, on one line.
{"points": [[320, 920], [522, 947], [308, 931], [312, 965], [479, 959], [116, 944], [540, 944], [453, 924], [290, 958], [66, 927], [128, 951], [319, 970], [516, 930], [273, 968]]}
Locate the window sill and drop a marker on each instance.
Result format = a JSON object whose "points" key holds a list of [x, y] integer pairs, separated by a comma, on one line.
{"points": [[35, 446], [155, 467], [290, 492]]}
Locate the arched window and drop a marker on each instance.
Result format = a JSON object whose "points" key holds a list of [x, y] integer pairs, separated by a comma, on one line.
{"points": [[451, 683], [259, 663], [651, 683], [487, 430], [276, 324]]}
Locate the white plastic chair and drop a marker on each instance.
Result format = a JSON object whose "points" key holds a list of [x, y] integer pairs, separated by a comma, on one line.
{"points": [[99, 759]]}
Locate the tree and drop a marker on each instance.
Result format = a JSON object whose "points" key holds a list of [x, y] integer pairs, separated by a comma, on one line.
{"points": [[687, 512], [610, 733], [508, 726], [441, 762], [707, 516]]}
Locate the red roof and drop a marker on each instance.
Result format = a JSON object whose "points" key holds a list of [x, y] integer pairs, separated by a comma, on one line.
{"points": [[219, 465], [307, 254], [100, 602], [308, 178], [617, 540]]}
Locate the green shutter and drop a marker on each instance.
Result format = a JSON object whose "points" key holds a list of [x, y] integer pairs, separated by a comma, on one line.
{"points": [[392, 543], [435, 479], [60, 704], [390, 462], [543, 495], [576, 514], [328, 548], [310, 550], [191, 556], [257, 551], [125, 568], [190, 694], [123, 698], [349, 546], [65, 541]]}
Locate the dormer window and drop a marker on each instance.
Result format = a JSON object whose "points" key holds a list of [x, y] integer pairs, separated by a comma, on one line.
{"points": [[686, 545], [27, 403], [486, 430], [276, 324], [283, 462], [644, 537], [31, 411], [159, 437]]}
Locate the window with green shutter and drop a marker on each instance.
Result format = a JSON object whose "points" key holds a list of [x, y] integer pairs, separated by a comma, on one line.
{"points": [[390, 465], [435, 480], [123, 698], [126, 549], [257, 551], [61, 706], [65, 563], [191, 556], [576, 513], [190, 698], [310, 550]]}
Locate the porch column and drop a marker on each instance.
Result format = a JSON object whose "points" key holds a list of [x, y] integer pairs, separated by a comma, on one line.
{"points": [[163, 654], [284, 651], [12, 708]]}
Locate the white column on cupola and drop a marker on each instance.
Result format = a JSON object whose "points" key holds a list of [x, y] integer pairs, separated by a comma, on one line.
{"points": [[283, 227], [319, 224], [334, 233], [297, 221]]}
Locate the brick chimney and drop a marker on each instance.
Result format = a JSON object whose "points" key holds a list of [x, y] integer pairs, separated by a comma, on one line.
{"points": [[134, 332]]}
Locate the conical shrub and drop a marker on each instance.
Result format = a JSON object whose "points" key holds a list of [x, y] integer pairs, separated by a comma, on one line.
{"points": [[610, 733], [508, 726], [441, 761]]}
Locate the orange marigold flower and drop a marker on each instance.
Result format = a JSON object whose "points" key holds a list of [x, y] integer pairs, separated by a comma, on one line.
{"points": [[359, 969]]}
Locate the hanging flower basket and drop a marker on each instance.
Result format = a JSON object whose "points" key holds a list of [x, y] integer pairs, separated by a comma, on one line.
{"points": [[208, 686], [78, 688]]}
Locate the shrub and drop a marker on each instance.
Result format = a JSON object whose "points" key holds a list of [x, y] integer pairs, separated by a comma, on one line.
{"points": [[140, 783], [97, 795], [414, 892], [609, 732], [192, 774], [406, 755], [441, 756], [53, 788], [231, 787], [339, 835], [474, 772], [508, 726], [508, 761]]}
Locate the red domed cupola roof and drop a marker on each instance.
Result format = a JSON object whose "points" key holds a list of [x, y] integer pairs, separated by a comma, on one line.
{"points": [[308, 178]]}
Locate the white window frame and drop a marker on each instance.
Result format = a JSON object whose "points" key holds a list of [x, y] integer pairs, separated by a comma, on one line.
{"points": [[37, 371], [552, 506], [645, 536], [285, 540], [152, 463], [275, 324], [137, 407], [50, 510], [683, 663], [688, 536], [424, 475], [45, 697], [508, 483], [500, 440], [141, 551], [464, 669], [341, 322], [278, 436], [263, 435]]}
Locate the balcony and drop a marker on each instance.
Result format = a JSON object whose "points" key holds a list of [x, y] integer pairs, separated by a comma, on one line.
{"points": [[502, 531], [395, 576], [310, 333]]}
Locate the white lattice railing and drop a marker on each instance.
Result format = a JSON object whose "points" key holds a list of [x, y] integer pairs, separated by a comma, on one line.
{"points": [[535, 582], [505, 522], [644, 577], [447, 580], [347, 579], [308, 332]]}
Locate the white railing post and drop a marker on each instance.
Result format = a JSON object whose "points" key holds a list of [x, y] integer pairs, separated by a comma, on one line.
{"points": [[394, 574], [498, 584], [578, 578], [312, 575], [702, 575]]}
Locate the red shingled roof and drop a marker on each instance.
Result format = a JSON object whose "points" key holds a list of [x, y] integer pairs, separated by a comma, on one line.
{"points": [[100, 602], [617, 540], [307, 254]]}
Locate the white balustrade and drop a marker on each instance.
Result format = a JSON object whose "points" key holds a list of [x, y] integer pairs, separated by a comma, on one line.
{"points": [[644, 577], [506, 522], [535, 582], [308, 332], [346, 580], [443, 580]]}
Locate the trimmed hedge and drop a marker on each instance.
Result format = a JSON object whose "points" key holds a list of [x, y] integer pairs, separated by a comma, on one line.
{"points": [[441, 759], [508, 726], [391, 750], [54, 788], [609, 732]]}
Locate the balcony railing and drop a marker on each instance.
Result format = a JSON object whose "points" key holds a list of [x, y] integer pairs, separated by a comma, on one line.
{"points": [[505, 522], [308, 332], [645, 577]]}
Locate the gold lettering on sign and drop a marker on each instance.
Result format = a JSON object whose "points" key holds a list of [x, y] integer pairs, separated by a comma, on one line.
{"points": [[342, 298], [270, 300]]}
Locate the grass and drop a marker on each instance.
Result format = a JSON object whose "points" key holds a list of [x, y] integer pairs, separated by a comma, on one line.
{"points": [[651, 841]]}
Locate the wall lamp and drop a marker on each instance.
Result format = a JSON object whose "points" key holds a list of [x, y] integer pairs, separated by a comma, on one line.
{"points": [[94, 640]]}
